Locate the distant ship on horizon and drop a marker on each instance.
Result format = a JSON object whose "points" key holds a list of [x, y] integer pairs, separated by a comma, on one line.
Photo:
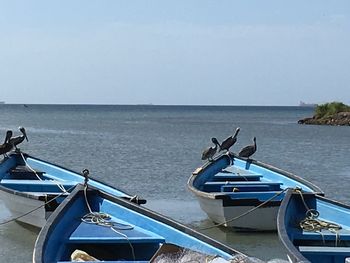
{"points": [[303, 104]]}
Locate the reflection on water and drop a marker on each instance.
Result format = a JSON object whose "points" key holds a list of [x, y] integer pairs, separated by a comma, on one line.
{"points": [[17, 241]]}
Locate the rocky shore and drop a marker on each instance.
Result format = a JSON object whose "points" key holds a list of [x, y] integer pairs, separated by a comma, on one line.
{"points": [[338, 119]]}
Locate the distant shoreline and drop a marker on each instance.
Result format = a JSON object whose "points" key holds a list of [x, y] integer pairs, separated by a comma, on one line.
{"points": [[334, 113], [152, 105]]}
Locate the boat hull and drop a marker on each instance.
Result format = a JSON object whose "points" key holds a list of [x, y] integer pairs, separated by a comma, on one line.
{"points": [[137, 235], [19, 205], [28, 184], [241, 193], [260, 219]]}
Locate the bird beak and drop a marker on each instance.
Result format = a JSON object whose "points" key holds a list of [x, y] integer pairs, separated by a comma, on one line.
{"points": [[26, 137]]}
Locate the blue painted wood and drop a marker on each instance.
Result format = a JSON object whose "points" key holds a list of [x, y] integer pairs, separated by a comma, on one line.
{"points": [[17, 177], [220, 186], [321, 246], [343, 251], [234, 177], [134, 226], [248, 188], [258, 182], [90, 233], [243, 183], [261, 196], [35, 185], [343, 235]]}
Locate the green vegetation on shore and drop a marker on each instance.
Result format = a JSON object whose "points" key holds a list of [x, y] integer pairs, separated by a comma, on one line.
{"points": [[333, 113], [330, 109]]}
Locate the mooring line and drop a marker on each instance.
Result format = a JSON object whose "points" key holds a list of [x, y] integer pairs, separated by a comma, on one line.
{"points": [[33, 210], [247, 212]]}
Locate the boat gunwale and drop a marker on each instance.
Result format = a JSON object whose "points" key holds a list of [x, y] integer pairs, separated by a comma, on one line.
{"points": [[59, 212], [293, 253], [232, 156], [282, 230], [27, 194]]}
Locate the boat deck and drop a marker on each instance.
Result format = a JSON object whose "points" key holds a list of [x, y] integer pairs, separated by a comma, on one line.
{"points": [[241, 186], [91, 233], [341, 235], [24, 185], [234, 179], [114, 244]]}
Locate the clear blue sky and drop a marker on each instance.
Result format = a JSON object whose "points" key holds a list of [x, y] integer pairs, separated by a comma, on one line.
{"points": [[175, 52]]}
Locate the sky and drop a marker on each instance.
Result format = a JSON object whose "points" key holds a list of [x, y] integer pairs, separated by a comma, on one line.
{"points": [[181, 52]]}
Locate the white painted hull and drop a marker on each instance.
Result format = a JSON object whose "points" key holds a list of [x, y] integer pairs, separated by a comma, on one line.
{"points": [[19, 205], [261, 219]]}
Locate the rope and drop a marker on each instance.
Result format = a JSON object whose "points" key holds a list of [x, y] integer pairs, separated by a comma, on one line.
{"points": [[26, 163], [311, 223], [59, 185], [104, 219], [33, 210], [247, 212]]}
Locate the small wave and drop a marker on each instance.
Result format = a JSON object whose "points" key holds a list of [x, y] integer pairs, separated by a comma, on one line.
{"points": [[53, 131]]}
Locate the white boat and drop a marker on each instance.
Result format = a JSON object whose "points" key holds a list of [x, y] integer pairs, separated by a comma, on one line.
{"points": [[32, 189], [243, 193]]}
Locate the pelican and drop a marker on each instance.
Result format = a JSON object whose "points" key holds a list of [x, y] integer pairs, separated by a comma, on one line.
{"points": [[229, 142], [6, 146], [209, 152], [248, 150], [18, 139]]}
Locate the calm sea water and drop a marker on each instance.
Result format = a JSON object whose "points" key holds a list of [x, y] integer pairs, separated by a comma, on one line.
{"points": [[152, 150]]}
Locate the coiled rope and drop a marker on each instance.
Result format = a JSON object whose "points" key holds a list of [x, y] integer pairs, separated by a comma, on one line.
{"points": [[59, 185], [104, 219], [311, 223]]}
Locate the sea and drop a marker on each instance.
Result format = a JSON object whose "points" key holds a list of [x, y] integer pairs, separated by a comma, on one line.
{"points": [[152, 150]]}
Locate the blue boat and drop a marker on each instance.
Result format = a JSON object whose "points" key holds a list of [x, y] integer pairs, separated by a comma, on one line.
{"points": [[314, 228], [32, 188], [95, 225], [243, 193]]}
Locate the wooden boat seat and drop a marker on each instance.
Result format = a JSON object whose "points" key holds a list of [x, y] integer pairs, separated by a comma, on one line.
{"points": [[234, 178], [261, 196], [38, 194], [24, 172], [343, 235], [90, 233], [325, 250], [249, 188], [238, 171], [217, 186], [34, 185]]}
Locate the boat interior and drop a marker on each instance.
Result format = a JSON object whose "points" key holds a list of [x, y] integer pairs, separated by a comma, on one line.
{"points": [[239, 183], [129, 236], [333, 240], [18, 176]]}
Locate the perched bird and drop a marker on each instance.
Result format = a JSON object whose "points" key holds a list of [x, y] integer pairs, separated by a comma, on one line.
{"points": [[229, 142], [209, 152], [248, 150], [6, 146], [18, 139]]}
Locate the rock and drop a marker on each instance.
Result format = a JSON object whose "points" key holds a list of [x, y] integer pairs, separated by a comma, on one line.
{"points": [[338, 119]]}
